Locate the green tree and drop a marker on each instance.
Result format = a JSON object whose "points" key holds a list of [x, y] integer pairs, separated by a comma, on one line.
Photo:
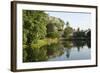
{"points": [[34, 25], [68, 31], [54, 27], [57, 22]]}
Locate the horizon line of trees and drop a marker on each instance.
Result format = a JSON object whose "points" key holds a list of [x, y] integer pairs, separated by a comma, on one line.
{"points": [[39, 25]]}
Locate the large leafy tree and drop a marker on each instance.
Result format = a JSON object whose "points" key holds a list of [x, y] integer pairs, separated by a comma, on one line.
{"points": [[34, 25], [55, 26], [56, 22]]}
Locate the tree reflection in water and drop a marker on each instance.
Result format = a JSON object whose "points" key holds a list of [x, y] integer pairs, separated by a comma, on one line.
{"points": [[53, 50]]}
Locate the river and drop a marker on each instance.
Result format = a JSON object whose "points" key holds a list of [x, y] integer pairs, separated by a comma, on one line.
{"points": [[62, 51]]}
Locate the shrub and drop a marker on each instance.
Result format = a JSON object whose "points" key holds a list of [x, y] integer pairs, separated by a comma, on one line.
{"points": [[53, 35]]}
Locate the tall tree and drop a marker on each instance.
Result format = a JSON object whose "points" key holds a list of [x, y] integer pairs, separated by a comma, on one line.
{"points": [[55, 26], [55, 22], [67, 24], [68, 31], [34, 25]]}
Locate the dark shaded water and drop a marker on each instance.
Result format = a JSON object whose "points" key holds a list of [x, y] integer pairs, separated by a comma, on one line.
{"points": [[63, 50]]}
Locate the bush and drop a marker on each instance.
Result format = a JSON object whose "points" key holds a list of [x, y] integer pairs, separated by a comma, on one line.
{"points": [[53, 35]]}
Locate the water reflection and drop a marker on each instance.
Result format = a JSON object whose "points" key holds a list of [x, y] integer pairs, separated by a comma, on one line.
{"points": [[58, 51]]}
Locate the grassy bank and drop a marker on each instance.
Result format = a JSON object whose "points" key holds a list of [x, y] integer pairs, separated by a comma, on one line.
{"points": [[43, 42]]}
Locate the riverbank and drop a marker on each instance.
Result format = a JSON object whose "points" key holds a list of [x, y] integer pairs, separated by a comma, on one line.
{"points": [[43, 42]]}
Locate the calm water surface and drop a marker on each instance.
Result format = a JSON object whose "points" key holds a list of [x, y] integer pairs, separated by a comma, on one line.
{"points": [[63, 50], [73, 54]]}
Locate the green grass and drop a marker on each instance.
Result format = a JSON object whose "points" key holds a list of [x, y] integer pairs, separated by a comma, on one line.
{"points": [[39, 43], [43, 42]]}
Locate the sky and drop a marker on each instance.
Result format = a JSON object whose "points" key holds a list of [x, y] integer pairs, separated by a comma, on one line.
{"points": [[76, 19]]}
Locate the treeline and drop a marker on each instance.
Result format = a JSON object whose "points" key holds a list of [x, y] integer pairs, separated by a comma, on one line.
{"points": [[39, 25], [70, 33]]}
